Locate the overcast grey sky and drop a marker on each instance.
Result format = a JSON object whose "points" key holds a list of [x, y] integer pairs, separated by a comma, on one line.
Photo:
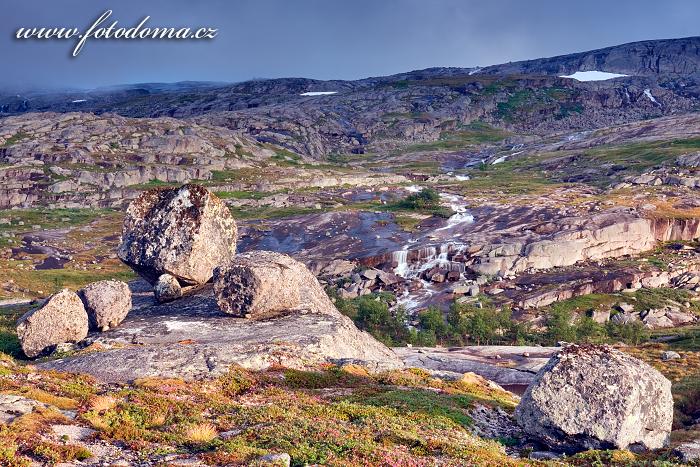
{"points": [[325, 39]]}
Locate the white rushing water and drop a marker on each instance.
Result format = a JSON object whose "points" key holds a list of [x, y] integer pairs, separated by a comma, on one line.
{"points": [[650, 96], [593, 76], [460, 216]]}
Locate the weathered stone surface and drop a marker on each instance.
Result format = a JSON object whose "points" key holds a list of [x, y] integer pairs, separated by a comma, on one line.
{"points": [[191, 338], [107, 303], [185, 232], [62, 318], [264, 284], [670, 355], [13, 406], [513, 368], [595, 397], [167, 289], [688, 452]]}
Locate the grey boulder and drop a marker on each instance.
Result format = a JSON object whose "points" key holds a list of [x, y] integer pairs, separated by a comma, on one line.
{"points": [[62, 318], [264, 284], [185, 232], [106, 302], [167, 289], [596, 397]]}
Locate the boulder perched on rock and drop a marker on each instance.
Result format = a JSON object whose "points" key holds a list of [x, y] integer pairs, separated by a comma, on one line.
{"points": [[595, 397], [185, 232], [167, 289], [106, 302], [263, 284], [62, 318]]}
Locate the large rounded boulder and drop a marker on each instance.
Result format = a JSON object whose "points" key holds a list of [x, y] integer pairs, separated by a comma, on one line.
{"points": [[265, 284], [185, 232], [107, 303], [62, 318], [595, 397]]}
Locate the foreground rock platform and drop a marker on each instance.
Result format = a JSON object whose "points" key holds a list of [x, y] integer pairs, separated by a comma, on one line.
{"points": [[513, 367], [192, 338]]}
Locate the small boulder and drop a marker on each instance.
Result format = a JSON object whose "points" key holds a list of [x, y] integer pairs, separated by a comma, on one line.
{"points": [[167, 289], [62, 318], [263, 284], [185, 232], [670, 355], [688, 452], [596, 397], [106, 302], [277, 460]]}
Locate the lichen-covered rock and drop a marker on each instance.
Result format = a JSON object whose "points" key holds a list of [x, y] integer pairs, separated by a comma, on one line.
{"points": [[106, 302], [185, 232], [167, 289], [62, 318], [595, 397], [263, 284]]}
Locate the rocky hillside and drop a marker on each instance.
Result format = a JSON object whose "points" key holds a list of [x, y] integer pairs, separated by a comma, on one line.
{"points": [[655, 58], [376, 114]]}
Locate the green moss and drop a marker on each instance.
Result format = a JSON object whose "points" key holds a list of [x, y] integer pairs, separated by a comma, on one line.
{"points": [[430, 403], [14, 139], [242, 194]]}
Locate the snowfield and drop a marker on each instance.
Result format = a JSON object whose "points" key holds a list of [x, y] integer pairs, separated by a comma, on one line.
{"points": [[593, 76], [318, 93]]}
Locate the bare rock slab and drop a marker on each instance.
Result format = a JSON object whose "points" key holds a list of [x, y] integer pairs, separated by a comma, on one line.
{"points": [[264, 284], [62, 318], [595, 397], [191, 338], [185, 232], [107, 303], [513, 367]]}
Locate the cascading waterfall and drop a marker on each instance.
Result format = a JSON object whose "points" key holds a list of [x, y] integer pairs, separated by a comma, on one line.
{"points": [[428, 258], [401, 259]]}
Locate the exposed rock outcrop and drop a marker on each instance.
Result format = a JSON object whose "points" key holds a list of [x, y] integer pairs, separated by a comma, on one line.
{"points": [[191, 338], [185, 232], [595, 397], [264, 284], [107, 303], [62, 318]]}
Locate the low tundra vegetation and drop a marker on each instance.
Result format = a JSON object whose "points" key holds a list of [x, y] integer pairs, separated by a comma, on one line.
{"points": [[331, 416]]}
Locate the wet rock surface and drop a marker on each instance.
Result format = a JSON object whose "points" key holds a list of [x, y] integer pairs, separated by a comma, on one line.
{"points": [[185, 232], [62, 318], [192, 338], [595, 397], [107, 303]]}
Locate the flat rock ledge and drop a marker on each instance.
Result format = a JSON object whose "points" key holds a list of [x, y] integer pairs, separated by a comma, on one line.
{"points": [[192, 338], [511, 366]]}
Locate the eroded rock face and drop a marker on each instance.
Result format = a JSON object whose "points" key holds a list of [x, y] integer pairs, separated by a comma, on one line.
{"points": [[106, 302], [62, 318], [595, 397], [185, 232], [167, 289], [263, 284]]}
